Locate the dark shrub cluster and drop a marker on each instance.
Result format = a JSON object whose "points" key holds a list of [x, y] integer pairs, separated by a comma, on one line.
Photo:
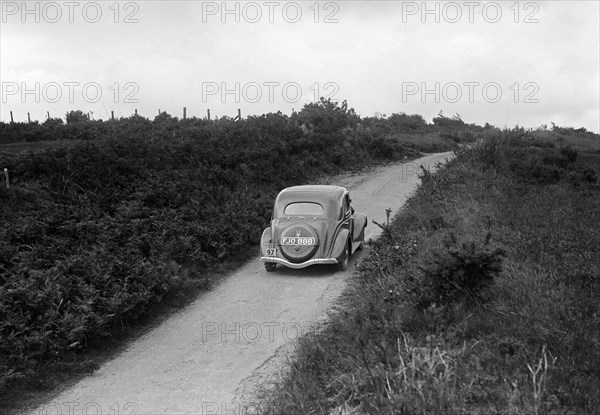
{"points": [[461, 272], [529, 158]]}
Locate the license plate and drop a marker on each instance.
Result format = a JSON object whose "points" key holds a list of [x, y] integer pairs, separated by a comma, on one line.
{"points": [[298, 241], [271, 252]]}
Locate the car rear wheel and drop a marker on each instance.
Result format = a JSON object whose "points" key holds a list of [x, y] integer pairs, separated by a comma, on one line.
{"points": [[343, 266], [270, 266], [362, 243]]}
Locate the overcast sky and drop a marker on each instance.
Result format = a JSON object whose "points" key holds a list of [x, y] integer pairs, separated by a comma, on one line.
{"points": [[506, 62]]}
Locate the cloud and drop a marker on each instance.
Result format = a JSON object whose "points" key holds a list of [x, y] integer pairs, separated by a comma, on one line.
{"points": [[369, 54]]}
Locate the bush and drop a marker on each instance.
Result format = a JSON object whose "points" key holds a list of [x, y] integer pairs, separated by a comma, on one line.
{"points": [[407, 123], [544, 165], [78, 116], [327, 116], [569, 153], [589, 175], [461, 273]]}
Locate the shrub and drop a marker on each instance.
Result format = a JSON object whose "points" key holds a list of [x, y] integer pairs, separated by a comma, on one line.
{"points": [[569, 153], [407, 123], [541, 165], [589, 175], [327, 116], [444, 121], [76, 117], [461, 272]]}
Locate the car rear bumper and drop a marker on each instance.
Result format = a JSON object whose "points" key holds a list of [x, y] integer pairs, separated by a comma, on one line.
{"points": [[322, 261]]}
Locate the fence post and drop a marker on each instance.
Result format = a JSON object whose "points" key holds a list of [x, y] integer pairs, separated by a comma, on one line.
{"points": [[112, 115], [28, 119], [6, 177], [239, 115], [207, 113], [48, 113], [184, 113], [11, 118], [159, 111], [136, 112]]}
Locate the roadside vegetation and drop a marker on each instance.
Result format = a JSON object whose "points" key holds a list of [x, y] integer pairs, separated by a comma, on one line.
{"points": [[480, 297], [105, 221]]}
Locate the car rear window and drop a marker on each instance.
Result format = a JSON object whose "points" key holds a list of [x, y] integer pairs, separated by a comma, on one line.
{"points": [[304, 208]]}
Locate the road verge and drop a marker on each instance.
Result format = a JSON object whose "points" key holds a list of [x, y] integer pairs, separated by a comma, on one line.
{"points": [[480, 296]]}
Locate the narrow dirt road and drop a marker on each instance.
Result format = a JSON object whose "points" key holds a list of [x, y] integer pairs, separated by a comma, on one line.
{"points": [[211, 356]]}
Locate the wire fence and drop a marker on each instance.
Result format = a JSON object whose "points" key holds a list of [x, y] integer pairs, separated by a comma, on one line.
{"points": [[238, 117]]}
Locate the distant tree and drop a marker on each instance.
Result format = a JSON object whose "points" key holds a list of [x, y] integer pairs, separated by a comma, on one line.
{"points": [[76, 117], [442, 121], [405, 122], [50, 122], [164, 117], [327, 116]]}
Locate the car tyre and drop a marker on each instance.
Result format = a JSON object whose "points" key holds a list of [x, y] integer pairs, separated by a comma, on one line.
{"points": [[362, 243], [270, 266], [343, 266]]}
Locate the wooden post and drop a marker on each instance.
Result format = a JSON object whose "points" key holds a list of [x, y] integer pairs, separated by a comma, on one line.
{"points": [[48, 113], [112, 115], [136, 112], [207, 113], [159, 111], [11, 117], [184, 113], [6, 177], [28, 118], [239, 115]]}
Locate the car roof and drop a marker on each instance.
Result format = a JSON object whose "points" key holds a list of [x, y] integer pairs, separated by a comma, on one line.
{"points": [[330, 197], [320, 192]]}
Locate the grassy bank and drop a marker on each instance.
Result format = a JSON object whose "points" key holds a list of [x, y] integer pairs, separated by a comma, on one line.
{"points": [[481, 297]]}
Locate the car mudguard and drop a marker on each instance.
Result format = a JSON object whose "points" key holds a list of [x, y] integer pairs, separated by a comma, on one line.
{"points": [[360, 223], [340, 244], [265, 241]]}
